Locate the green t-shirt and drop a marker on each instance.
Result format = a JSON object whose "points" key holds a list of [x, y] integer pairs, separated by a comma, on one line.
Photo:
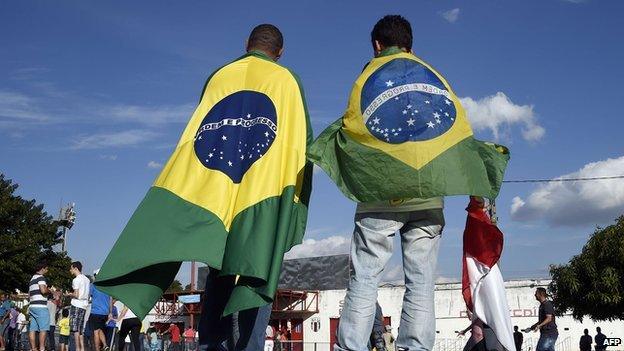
{"points": [[401, 205]]}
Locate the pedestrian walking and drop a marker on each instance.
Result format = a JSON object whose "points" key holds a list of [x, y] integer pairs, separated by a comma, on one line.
{"points": [[546, 322]]}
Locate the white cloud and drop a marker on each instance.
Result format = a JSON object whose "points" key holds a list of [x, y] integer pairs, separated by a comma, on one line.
{"points": [[332, 245], [18, 106], [575, 203], [451, 15], [108, 157], [154, 165], [107, 140], [49, 104], [150, 114], [498, 114]]}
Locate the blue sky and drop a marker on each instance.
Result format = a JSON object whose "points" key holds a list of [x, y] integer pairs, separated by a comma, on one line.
{"points": [[94, 95]]}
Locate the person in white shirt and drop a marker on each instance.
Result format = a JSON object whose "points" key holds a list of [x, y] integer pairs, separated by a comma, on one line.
{"points": [[79, 304], [268, 342], [130, 326]]}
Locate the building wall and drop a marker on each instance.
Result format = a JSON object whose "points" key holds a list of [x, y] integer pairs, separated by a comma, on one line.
{"points": [[451, 316]]}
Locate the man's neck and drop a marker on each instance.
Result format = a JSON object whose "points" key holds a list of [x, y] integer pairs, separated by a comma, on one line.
{"points": [[391, 50], [261, 53]]}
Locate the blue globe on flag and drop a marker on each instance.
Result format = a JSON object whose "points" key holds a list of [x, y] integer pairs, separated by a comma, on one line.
{"points": [[236, 132], [405, 101]]}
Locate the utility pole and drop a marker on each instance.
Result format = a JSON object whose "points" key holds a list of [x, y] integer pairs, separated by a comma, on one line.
{"points": [[193, 289]]}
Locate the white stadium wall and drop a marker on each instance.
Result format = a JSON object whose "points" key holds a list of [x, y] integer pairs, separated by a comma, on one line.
{"points": [[451, 315]]}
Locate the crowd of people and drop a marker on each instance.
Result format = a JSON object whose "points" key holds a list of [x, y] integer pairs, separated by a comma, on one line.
{"points": [[90, 319]]}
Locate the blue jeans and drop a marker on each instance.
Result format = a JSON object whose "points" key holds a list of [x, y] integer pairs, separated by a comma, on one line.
{"points": [[546, 342], [241, 331], [371, 249]]}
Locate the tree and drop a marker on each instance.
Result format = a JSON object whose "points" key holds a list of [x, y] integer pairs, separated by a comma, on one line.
{"points": [[592, 283], [27, 235], [175, 286]]}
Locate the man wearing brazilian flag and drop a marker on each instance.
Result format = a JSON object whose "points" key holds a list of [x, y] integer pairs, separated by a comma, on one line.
{"points": [[403, 143], [234, 195]]}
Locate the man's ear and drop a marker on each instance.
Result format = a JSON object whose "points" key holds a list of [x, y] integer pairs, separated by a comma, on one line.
{"points": [[378, 47], [279, 54]]}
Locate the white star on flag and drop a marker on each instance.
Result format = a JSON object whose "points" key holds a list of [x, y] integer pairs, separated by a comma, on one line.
{"points": [[427, 102], [436, 115], [404, 112], [249, 115], [230, 163], [376, 120], [430, 124], [224, 137], [266, 134], [410, 122], [210, 155], [389, 83], [409, 106], [447, 102]]}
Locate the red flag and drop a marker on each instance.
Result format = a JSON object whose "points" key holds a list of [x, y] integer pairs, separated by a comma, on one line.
{"points": [[482, 283]]}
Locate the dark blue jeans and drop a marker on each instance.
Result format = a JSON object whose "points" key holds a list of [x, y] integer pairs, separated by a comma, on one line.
{"points": [[241, 331], [546, 342]]}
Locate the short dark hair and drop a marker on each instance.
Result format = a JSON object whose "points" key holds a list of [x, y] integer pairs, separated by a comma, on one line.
{"points": [[598, 329], [392, 30], [77, 265], [41, 265], [542, 291], [65, 313], [266, 37], [515, 327]]}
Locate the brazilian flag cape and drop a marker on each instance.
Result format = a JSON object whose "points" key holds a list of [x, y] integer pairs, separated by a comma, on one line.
{"points": [[406, 135], [233, 195]]}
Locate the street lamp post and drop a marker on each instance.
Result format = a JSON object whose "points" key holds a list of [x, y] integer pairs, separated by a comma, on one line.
{"points": [[67, 218]]}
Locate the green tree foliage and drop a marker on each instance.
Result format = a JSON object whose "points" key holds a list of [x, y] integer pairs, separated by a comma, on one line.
{"points": [[592, 283], [175, 286], [26, 237]]}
